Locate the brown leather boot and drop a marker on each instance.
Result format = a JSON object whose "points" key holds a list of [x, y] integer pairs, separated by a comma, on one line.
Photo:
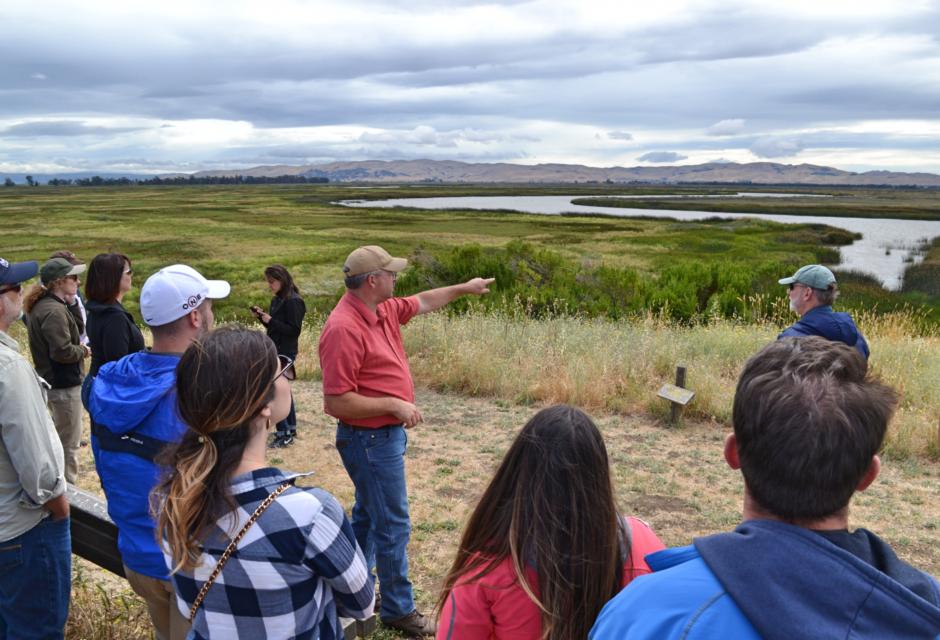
{"points": [[414, 624]]}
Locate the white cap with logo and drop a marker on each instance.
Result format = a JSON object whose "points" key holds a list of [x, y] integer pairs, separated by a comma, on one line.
{"points": [[174, 291]]}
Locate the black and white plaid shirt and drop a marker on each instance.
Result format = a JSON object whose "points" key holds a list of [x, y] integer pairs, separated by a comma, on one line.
{"points": [[296, 570]]}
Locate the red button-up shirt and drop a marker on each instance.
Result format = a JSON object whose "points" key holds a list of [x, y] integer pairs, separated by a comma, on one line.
{"points": [[362, 351]]}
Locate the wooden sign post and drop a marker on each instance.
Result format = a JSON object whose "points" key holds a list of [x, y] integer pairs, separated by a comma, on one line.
{"points": [[677, 394]]}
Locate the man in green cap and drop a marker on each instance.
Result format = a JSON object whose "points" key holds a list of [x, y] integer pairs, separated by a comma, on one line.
{"points": [[813, 289]]}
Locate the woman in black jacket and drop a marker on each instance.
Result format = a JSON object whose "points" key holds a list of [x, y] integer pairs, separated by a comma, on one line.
{"points": [[283, 323], [112, 332]]}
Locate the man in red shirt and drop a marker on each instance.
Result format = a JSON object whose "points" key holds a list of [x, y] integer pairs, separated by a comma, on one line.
{"points": [[367, 387]]}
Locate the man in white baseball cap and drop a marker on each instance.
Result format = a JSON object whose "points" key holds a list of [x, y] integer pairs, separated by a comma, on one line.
{"points": [[135, 396]]}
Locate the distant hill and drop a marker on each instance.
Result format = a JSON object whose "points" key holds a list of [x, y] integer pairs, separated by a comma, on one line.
{"points": [[457, 172]]}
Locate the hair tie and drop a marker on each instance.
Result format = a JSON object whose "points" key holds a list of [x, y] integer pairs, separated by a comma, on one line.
{"points": [[202, 439]]}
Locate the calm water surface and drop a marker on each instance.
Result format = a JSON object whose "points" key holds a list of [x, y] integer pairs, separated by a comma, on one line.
{"points": [[882, 251]]}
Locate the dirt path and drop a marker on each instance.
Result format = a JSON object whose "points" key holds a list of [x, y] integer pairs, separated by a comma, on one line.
{"points": [[675, 479]]}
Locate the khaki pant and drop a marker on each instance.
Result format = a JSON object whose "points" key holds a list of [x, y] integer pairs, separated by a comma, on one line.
{"points": [[65, 405], [168, 622]]}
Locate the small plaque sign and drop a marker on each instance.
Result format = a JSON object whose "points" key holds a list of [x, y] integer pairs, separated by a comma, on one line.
{"points": [[676, 394]]}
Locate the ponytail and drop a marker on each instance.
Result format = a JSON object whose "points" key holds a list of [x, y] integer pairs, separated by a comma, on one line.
{"points": [[186, 499], [32, 297]]}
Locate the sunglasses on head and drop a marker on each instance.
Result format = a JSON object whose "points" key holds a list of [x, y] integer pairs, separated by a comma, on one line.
{"points": [[17, 288]]}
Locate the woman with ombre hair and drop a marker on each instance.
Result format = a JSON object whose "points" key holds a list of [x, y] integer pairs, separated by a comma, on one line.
{"points": [[545, 548], [284, 557]]}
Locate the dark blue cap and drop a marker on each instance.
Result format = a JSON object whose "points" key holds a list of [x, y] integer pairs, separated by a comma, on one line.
{"points": [[16, 272]]}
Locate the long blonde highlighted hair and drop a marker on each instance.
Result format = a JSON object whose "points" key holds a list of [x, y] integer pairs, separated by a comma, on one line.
{"points": [[222, 384]]}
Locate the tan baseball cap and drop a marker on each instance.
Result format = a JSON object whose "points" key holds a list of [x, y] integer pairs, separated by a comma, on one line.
{"points": [[372, 258]]}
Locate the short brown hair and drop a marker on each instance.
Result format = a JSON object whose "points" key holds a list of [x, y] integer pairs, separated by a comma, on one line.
{"points": [[808, 418], [103, 280]]}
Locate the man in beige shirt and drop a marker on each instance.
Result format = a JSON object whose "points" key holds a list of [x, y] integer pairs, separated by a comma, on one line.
{"points": [[35, 545]]}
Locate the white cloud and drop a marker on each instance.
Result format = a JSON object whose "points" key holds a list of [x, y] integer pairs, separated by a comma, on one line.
{"points": [[729, 127]]}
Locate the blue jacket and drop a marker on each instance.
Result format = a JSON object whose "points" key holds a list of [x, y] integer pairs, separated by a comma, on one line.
{"points": [[831, 325], [774, 581], [136, 393]]}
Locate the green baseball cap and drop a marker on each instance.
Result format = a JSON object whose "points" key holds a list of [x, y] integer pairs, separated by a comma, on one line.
{"points": [[812, 275], [56, 268]]}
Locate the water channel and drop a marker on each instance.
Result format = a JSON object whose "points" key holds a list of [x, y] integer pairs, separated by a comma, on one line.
{"points": [[884, 251]]}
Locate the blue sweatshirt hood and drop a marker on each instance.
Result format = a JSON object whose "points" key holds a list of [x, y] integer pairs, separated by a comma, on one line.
{"points": [[788, 580], [126, 392], [837, 326]]}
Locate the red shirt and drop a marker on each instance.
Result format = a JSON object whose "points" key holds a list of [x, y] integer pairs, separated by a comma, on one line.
{"points": [[496, 606], [362, 351]]}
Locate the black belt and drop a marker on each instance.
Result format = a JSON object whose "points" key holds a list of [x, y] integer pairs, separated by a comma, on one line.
{"points": [[358, 428]]}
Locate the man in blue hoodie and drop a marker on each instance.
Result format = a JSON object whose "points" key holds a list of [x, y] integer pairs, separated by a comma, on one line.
{"points": [[808, 423], [813, 289], [132, 403]]}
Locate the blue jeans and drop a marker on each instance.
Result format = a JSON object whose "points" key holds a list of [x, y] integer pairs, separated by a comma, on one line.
{"points": [[288, 424], [374, 460], [35, 581]]}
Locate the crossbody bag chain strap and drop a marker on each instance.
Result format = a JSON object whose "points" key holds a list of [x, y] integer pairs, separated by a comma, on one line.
{"points": [[230, 549]]}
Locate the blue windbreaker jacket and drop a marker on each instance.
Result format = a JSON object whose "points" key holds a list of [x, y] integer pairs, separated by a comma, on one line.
{"points": [[774, 581], [136, 393], [831, 325]]}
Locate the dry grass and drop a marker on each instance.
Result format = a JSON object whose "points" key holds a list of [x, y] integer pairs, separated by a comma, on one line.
{"points": [[673, 477], [616, 367], [479, 378]]}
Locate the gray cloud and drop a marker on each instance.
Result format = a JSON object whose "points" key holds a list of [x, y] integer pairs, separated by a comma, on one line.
{"points": [[59, 128], [776, 147], [619, 135], [661, 156], [519, 79]]}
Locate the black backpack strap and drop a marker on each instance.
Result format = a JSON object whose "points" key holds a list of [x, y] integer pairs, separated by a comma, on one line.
{"points": [[131, 442]]}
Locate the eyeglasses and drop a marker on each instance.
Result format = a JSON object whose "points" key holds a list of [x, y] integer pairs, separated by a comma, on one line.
{"points": [[287, 368], [15, 288], [392, 274]]}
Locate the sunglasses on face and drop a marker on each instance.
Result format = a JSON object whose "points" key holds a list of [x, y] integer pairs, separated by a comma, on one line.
{"points": [[287, 368], [16, 288]]}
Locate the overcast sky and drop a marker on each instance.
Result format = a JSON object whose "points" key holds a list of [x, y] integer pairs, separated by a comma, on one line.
{"points": [[189, 85]]}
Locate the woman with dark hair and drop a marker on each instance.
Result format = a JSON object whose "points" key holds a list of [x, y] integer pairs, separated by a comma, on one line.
{"points": [[112, 331], [284, 558], [545, 548], [283, 323]]}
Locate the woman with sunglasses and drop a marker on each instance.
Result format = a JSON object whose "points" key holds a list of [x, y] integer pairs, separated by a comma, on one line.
{"points": [[545, 548], [58, 354], [112, 331], [251, 555], [283, 323]]}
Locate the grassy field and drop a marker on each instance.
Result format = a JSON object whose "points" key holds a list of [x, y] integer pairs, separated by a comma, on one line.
{"points": [[626, 266], [481, 373]]}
